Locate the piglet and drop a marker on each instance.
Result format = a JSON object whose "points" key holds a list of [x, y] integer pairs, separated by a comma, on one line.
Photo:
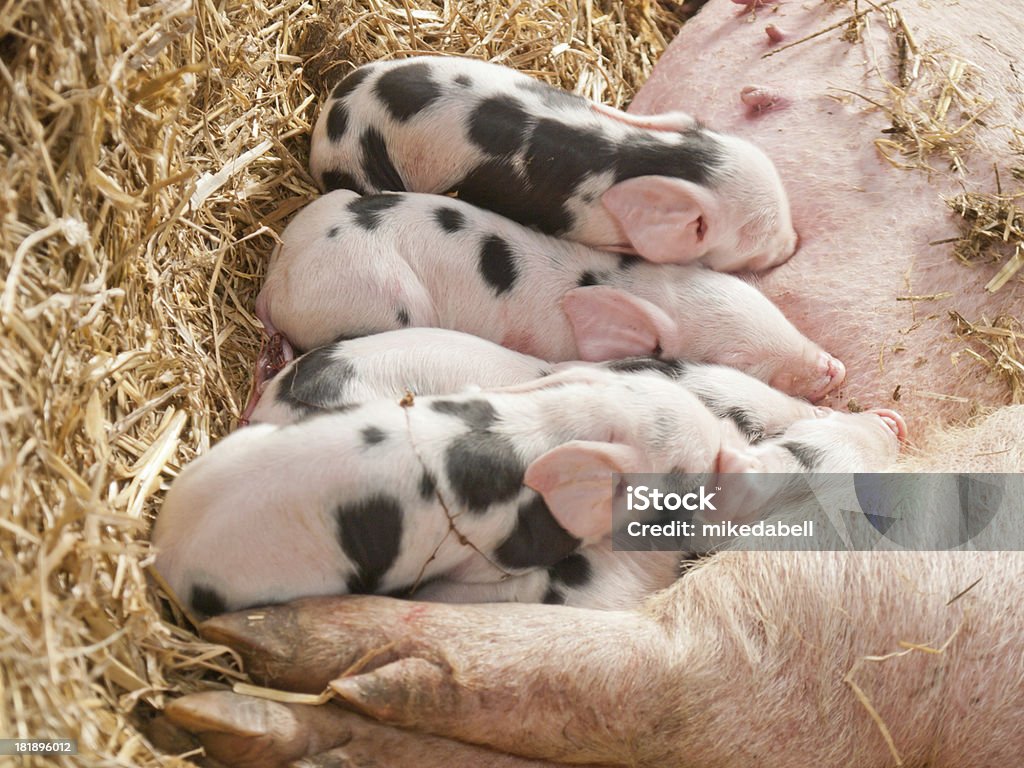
{"points": [[388, 496], [351, 265], [436, 361], [661, 186]]}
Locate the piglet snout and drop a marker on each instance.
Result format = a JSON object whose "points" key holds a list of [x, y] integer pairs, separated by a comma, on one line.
{"points": [[893, 421]]}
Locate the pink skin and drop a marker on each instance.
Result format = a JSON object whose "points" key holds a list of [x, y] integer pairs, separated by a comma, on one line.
{"points": [[865, 226], [275, 354], [775, 35], [760, 99]]}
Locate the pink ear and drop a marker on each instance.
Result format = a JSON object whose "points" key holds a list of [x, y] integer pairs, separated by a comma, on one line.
{"points": [[610, 324], [666, 121], [667, 220], [742, 490], [575, 480]]}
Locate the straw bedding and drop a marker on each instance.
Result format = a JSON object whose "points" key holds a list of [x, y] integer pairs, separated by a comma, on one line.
{"points": [[150, 154]]}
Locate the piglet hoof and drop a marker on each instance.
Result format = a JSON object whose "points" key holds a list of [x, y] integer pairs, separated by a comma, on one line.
{"points": [[760, 99]]}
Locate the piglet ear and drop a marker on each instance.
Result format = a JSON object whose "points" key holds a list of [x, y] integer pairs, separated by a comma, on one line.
{"points": [[575, 480], [609, 324], [740, 499], [666, 121], [667, 220]]}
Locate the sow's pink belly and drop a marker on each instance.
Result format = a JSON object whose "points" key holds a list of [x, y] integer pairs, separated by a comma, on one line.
{"points": [[868, 231]]}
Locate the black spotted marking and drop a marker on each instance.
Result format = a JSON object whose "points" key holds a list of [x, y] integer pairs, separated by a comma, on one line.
{"points": [[588, 278], [407, 90], [554, 596], [694, 155], [428, 486], [380, 171], [498, 125], [337, 121], [350, 83], [315, 381], [498, 264], [449, 219], [333, 232], [483, 469], [477, 414], [808, 456], [372, 436], [537, 541], [573, 571], [628, 261], [552, 96], [744, 421], [498, 186], [370, 534], [332, 180], [672, 369], [369, 210], [463, 79], [403, 317], [207, 601]]}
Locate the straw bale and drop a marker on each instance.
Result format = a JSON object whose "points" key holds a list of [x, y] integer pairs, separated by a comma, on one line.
{"points": [[151, 152]]}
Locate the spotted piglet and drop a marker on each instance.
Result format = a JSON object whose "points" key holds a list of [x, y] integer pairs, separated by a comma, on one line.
{"points": [[436, 361], [390, 495], [661, 186], [351, 265]]}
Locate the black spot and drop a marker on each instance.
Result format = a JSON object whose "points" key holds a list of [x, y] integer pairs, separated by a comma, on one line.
{"points": [[370, 534], [372, 435], [672, 369], [314, 381], [560, 157], [587, 278], [450, 219], [463, 80], [332, 180], [498, 264], [207, 601], [428, 486], [407, 89], [537, 540], [369, 210], [350, 83], [552, 96], [337, 121], [333, 232], [478, 414], [483, 469], [693, 155], [377, 165], [498, 125], [628, 261], [498, 186], [554, 596], [744, 420], [808, 456], [573, 571], [403, 317]]}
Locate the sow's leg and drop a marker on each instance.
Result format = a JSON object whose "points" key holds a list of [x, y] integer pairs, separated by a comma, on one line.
{"points": [[247, 732], [776, 660], [874, 279]]}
